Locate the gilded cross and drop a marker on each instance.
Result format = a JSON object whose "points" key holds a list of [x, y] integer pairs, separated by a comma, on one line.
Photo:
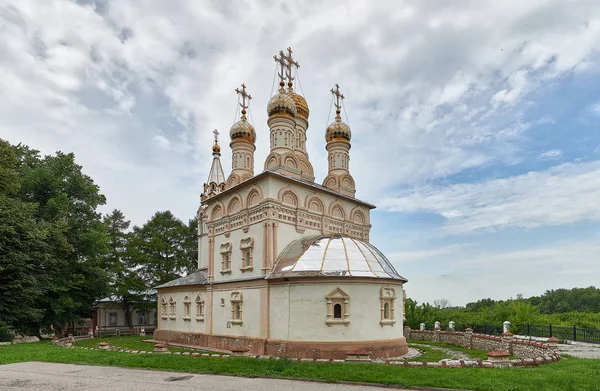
{"points": [[281, 61], [245, 96], [338, 97], [289, 62]]}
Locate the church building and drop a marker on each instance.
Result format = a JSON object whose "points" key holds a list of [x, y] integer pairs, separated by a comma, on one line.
{"points": [[285, 266]]}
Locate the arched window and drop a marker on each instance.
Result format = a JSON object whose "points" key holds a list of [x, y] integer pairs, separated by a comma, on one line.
{"points": [[187, 304], [199, 308], [246, 246], [387, 297], [338, 307], [337, 311], [173, 307], [237, 301], [226, 258], [163, 304]]}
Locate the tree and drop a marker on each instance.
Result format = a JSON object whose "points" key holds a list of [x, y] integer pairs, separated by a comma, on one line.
{"points": [[164, 248], [52, 238], [125, 283], [441, 303]]}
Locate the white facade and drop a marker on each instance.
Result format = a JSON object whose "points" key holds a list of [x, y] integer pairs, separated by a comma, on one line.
{"points": [[246, 226]]}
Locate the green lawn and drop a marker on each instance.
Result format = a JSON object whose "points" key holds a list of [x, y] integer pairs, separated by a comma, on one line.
{"points": [[474, 353], [429, 355], [569, 374], [129, 342]]}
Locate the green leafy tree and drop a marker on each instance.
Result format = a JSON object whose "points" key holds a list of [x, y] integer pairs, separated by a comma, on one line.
{"points": [[164, 248], [53, 238], [126, 284]]}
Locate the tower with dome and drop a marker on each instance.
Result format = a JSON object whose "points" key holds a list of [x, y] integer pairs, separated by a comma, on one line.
{"points": [[285, 265]]}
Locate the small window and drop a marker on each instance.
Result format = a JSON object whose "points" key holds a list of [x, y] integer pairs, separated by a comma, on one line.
{"points": [[173, 307], [246, 246], [237, 300], [226, 258], [199, 308], [163, 304], [338, 307], [337, 311], [388, 299], [143, 318], [112, 319], [187, 305]]}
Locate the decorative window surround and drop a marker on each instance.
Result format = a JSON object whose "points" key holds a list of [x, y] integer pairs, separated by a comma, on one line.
{"points": [[387, 297], [226, 258], [173, 308], [199, 309], [247, 247], [237, 300], [163, 304], [187, 304], [338, 315]]}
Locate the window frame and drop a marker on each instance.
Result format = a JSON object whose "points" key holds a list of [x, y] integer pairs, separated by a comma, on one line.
{"points": [[237, 301], [225, 252], [164, 313], [111, 316], [200, 308], [338, 297], [247, 250], [187, 308], [172, 308], [387, 295]]}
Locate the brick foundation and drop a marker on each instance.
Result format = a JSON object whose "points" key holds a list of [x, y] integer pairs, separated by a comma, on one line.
{"points": [[295, 349]]}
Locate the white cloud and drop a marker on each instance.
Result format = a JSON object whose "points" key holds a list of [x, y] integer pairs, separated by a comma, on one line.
{"points": [[463, 273], [562, 195], [596, 108], [553, 154]]}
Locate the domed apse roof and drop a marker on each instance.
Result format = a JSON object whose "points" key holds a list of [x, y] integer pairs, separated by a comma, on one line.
{"points": [[332, 256]]}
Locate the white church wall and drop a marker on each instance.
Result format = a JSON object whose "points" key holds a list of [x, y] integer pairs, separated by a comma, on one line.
{"points": [[178, 322], [222, 313], [305, 320]]}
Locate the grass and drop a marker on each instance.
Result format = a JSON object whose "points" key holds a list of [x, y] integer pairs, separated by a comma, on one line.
{"points": [[129, 342], [569, 374], [474, 353], [429, 355]]}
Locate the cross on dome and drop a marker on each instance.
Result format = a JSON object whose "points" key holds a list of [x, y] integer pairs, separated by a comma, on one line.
{"points": [[289, 62], [338, 97], [216, 133], [282, 63], [244, 96]]}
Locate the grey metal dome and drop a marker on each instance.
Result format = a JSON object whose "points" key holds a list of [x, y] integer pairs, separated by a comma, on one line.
{"points": [[332, 256]]}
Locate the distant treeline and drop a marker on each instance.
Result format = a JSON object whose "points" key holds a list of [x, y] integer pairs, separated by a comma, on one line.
{"points": [[560, 307]]}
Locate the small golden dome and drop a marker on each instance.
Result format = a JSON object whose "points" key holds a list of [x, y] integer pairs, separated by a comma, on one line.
{"points": [[243, 130], [301, 105], [216, 148], [281, 103], [338, 131]]}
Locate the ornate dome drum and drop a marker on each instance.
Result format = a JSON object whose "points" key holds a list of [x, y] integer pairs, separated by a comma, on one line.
{"points": [[282, 103], [301, 105], [332, 256], [242, 129], [338, 131]]}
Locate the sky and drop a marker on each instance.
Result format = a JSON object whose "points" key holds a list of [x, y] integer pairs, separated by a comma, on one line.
{"points": [[475, 124]]}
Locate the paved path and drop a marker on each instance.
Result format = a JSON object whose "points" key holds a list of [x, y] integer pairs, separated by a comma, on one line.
{"points": [[38, 376], [580, 349]]}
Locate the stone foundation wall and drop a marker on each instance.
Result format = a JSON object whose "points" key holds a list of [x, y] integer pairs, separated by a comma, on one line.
{"points": [[292, 349], [470, 340]]}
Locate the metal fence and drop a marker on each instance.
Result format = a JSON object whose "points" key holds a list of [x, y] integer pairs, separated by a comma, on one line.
{"points": [[573, 333]]}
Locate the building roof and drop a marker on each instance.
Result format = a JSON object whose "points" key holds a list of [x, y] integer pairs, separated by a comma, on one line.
{"points": [[289, 179], [148, 295], [332, 256], [199, 277]]}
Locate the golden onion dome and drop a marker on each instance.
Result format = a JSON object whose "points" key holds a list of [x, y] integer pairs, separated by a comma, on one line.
{"points": [[282, 103], [301, 105], [338, 130], [216, 148], [243, 130]]}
